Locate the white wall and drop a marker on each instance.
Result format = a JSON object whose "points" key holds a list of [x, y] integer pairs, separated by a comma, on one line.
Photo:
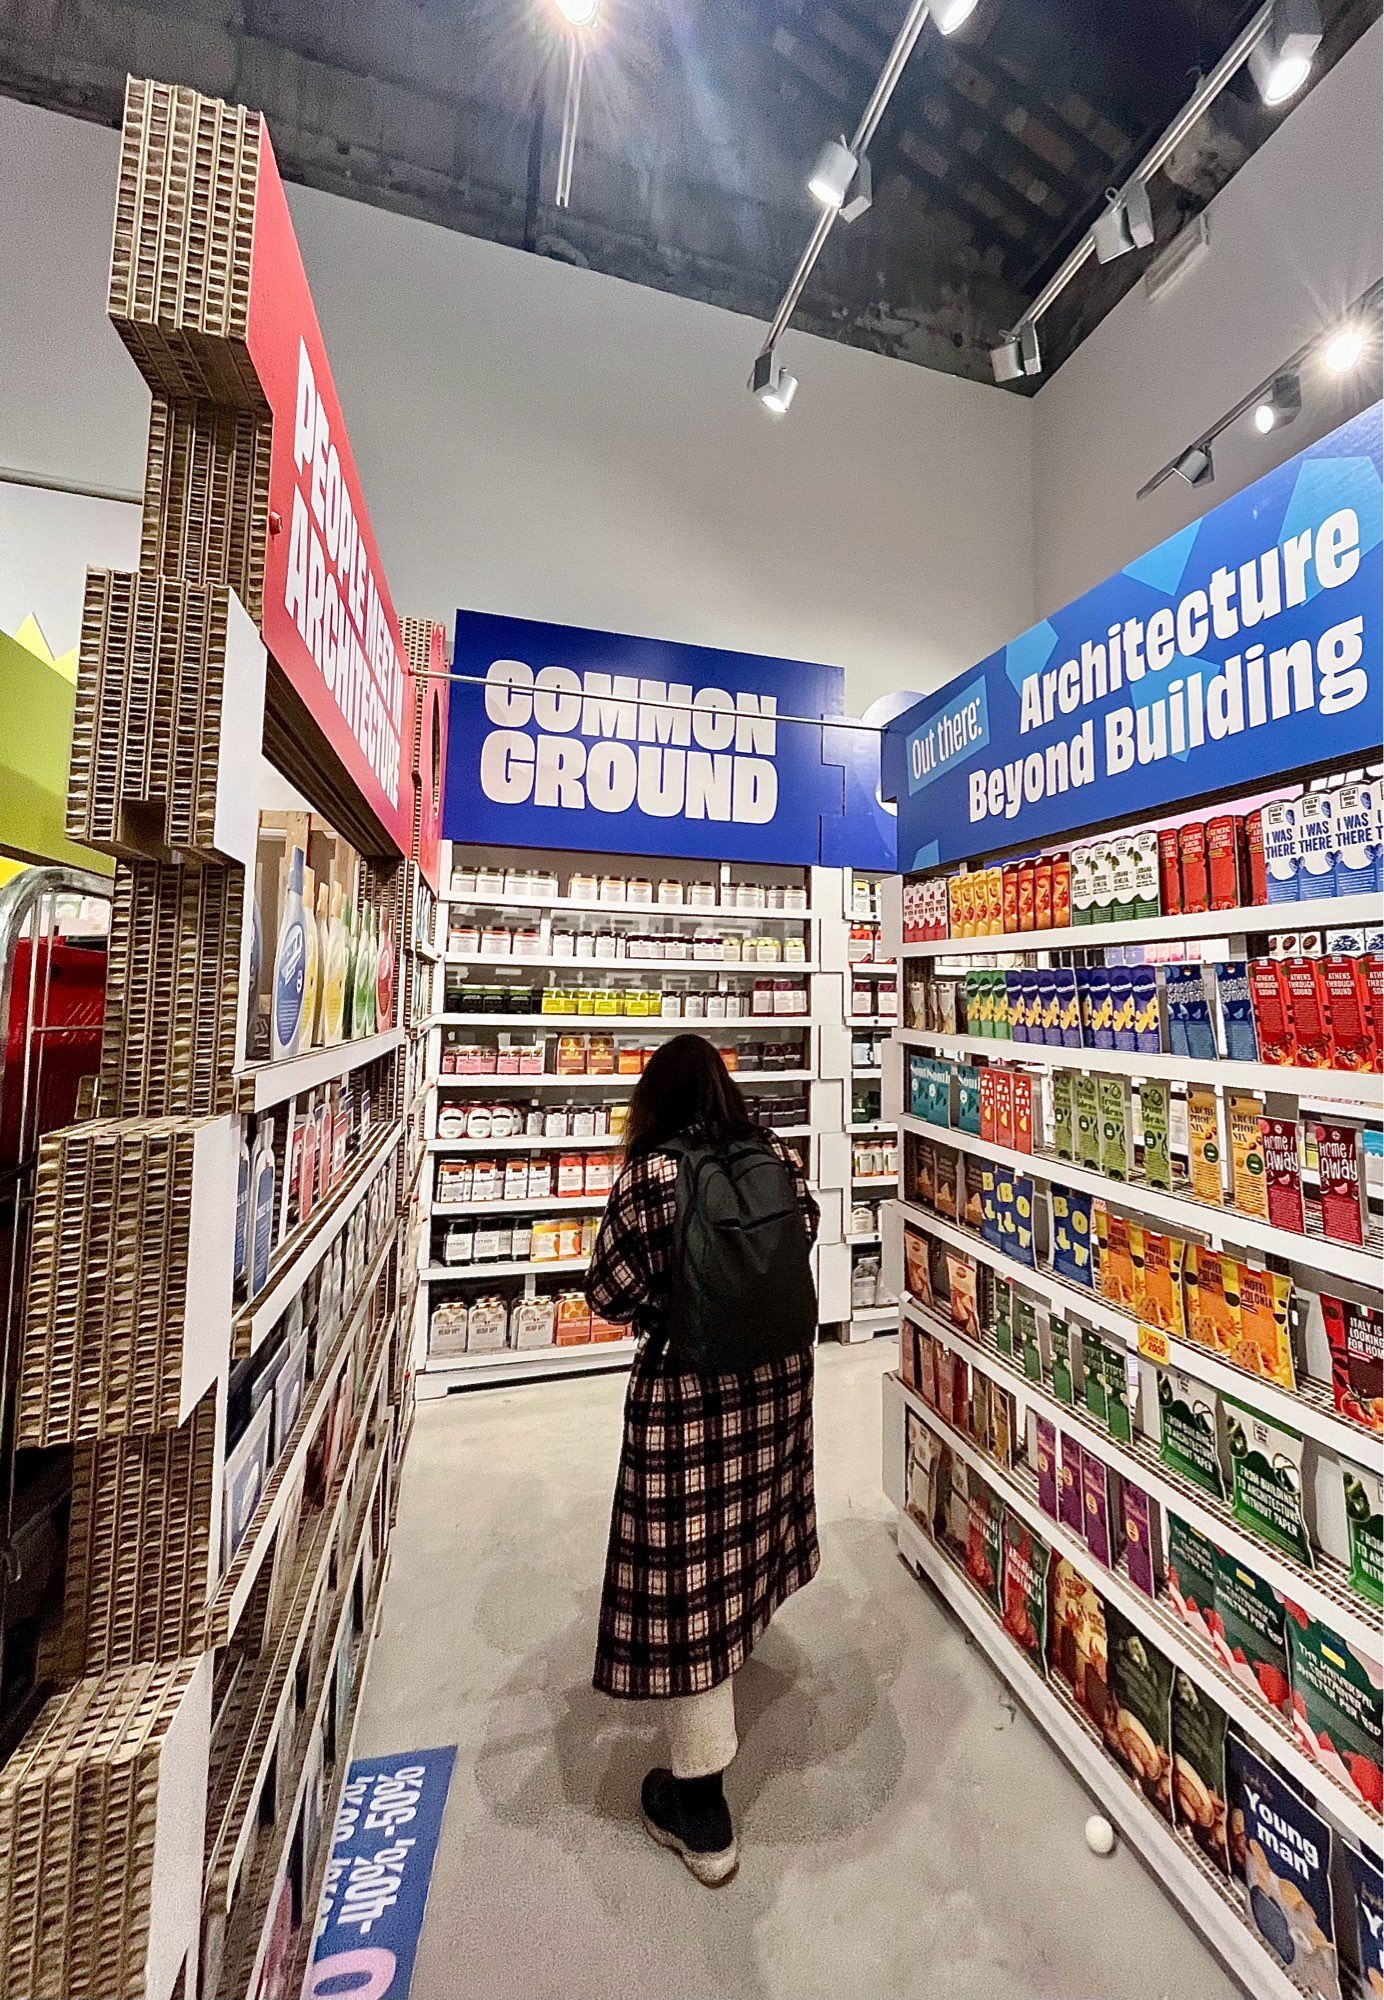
{"points": [[543, 441], [1295, 236]]}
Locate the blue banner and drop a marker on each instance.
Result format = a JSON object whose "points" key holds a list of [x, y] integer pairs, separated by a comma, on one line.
{"points": [[376, 1888], [599, 742], [1244, 646]]}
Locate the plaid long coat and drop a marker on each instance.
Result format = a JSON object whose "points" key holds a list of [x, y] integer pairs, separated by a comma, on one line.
{"points": [[714, 1522]]}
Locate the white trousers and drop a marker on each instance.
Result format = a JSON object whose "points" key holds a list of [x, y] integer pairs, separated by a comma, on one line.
{"points": [[701, 1730]]}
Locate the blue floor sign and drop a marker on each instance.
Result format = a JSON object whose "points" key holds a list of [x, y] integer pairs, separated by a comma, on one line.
{"points": [[376, 1888]]}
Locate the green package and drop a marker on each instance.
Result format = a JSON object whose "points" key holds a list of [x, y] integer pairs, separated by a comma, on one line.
{"points": [[1141, 1687], [1062, 1382], [1093, 1372], [1365, 1526], [1087, 1100], [1199, 1726], [1063, 1114], [1339, 1705], [968, 1099], [1189, 1424], [1250, 1632], [1119, 1410], [1266, 1480], [1004, 1319], [1032, 1347], [1155, 1104], [999, 1007], [1191, 1574], [975, 990], [1116, 1139]]}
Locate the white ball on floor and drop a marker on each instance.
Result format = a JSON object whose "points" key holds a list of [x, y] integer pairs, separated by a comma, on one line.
{"points": [[1100, 1835]]}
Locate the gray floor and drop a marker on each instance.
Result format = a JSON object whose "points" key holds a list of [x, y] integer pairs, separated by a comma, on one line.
{"points": [[903, 1831]]}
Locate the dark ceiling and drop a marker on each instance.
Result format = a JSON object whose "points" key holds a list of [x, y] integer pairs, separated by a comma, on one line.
{"points": [[700, 120]]}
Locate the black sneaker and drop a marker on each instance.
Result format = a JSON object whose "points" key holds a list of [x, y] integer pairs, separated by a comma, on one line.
{"points": [[705, 1839]]}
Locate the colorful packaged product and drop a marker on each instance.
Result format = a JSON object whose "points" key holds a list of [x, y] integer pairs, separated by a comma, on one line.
{"points": [[925, 1467], [985, 1541], [1117, 1261], [1022, 1092], [1238, 1038], [1003, 1417], [1042, 894], [1199, 1774], [1161, 1300], [1257, 887], [1355, 1335], [1024, 1609], [1341, 1181], [1282, 1173], [1148, 1026], [1196, 887], [1116, 1130], [1087, 1099], [1345, 999], [1280, 837], [1249, 1188], [1189, 1427], [1098, 1506], [1212, 1319], [1063, 1114], [1316, 843], [1190, 1029], [1071, 1503], [1306, 1013], [1169, 872], [1262, 1342], [1266, 1481], [1020, 1243], [1004, 1107], [1367, 1893], [1061, 892], [977, 1414], [1045, 1445], [1061, 1377], [961, 1286], [1225, 888], [1338, 1705], [1249, 1630], [1272, 1022], [1154, 1105], [1192, 1576], [1077, 1640], [1143, 1538], [1282, 1851], [1138, 1720], [1071, 1237], [967, 1099], [1204, 1136], [1064, 981], [1362, 1487]]}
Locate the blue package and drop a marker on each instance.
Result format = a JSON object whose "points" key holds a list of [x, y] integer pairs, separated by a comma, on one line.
{"points": [[989, 1205], [1019, 1238], [1148, 1024], [1086, 1000], [1014, 993], [1237, 1013], [1068, 1007], [1102, 1027], [1190, 1032], [967, 1099], [1357, 868], [1047, 1006], [1071, 1237], [1121, 1006]]}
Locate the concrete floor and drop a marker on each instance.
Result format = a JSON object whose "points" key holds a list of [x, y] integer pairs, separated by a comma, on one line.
{"points": [[903, 1831]]}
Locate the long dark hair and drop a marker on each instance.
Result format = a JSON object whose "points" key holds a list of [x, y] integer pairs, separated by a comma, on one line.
{"points": [[685, 1087]]}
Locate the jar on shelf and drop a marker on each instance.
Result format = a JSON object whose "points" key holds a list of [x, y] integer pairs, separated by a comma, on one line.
{"points": [[492, 1240], [670, 893], [544, 884], [584, 888], [706, 948], [716, 1005], [562, 944], [533, 1121], [464, 940], [557, 1121], [490, 883], [516, 1177], [528, 942], [599, 1173], [454, 1182], [694, 1004], [795, 900], [671, 1006], [762, 997], [571, 1175], [584, 943], [737, 1004], [519, 882], [794, 951], [600, 1055], [520, 1239], [600, 1116], [733, 949], [464, 884], [612, 889], [701, 895], [451, 1121], [459, 1243], [584, 1121], [540, 1176], [640, 890], [495, 941], [617, 1117], [630, 1060]]}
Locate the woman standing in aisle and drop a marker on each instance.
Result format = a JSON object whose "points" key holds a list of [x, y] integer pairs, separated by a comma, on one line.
{"points": [[704, 1246]]}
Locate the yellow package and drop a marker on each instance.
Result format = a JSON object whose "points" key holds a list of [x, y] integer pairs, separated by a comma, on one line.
{"points": [[1100, 1246], [1204, 1145], [1116, 1261], [1263, 1342], [1135, 1233], [1249, 1184], [1162, 1298], [1214, 1314]]}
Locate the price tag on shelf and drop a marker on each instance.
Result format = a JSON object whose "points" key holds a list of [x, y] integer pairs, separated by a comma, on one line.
{"points": [[1153, 1344]]}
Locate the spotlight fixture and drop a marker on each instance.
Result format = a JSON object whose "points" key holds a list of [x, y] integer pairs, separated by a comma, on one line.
{"points": [[1281, 59], [1343, 349], [833, 174], [950, 14], [1028, 348], [1195, 465], [772, 383], [862, 191], [1127, 224], [1279, 405], [579, 13], [1006, 362]]}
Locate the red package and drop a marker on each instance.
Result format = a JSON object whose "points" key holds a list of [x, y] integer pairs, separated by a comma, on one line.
{"points": [[1061, 892], [1022, 1089], [1278, 1138], [1306, 1013], [1009, 900], [1027, 894], [1169, 872], [987, 1104], [1374, 1005], [1356, 1340], [1255, 874], [1191, 854], [1042, 895], [1269, 999], [1347, 1001], [1004, 1107], [1340, 1154], [1223, 862]]}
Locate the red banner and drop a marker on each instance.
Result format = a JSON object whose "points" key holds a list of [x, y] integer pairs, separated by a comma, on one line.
{"points": [[329, 620], [430, 761]]}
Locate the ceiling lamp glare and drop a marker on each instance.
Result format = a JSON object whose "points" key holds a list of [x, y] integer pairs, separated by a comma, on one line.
{"points": [[772, 383], [1127, 224], [1281, 60], [578, 13], [1343, 349], [833, 174], [950, 14], [1196, 466], [1279, 406]]}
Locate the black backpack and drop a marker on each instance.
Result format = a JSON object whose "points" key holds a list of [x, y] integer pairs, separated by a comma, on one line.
{"points": [[741, 1291]]}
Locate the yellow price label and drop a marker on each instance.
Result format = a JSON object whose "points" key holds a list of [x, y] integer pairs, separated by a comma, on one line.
{"points": [[1153, 1344]]}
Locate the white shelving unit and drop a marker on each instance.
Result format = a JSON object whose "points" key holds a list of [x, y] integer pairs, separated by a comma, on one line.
{"points": [[857, 910], [1332, 1443], [540, 965]]}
